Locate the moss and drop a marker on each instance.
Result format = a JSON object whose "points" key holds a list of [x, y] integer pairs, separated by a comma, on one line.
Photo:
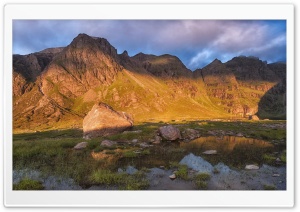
{"points": [[182, 172], [124, 181], [28, 184], [130, 154], [269, 158], [269, 187], [201, 180], [283, 156]]}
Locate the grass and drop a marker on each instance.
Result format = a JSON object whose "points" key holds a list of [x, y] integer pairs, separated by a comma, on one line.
{"points": [[28, 184], [269, 158], [124, 181], [182, 172], [201, 180], [269, 187], [52, 153]]}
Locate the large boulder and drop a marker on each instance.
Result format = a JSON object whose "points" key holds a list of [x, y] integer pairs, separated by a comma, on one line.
{"points": [[169, 132], [103, 120]]}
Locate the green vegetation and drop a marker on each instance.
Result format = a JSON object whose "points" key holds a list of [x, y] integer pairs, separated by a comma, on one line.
{"points": [[269, 187], [28, 184], [130, 154], [269, 158], [124, 181], [201, 180], [283, 156], [182, 172], [52, 153]]}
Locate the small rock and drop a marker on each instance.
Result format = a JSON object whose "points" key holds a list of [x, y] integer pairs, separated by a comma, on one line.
{"points": [[157, 140], [278, 160], [169, 132], [239, 135], [81, 145], [162, 167], [108, 143], [251, 167], [134, 140], [120, 170], [136, 131], [191, 134], [144, 145], [210, 152], [131, 170], [276, 175], [172, 177]]}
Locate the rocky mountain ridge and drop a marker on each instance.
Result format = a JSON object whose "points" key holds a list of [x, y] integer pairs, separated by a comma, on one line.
{"points": [[57, 87]]}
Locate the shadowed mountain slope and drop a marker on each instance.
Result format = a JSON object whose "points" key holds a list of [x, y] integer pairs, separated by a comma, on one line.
{"points": [[57, 87]]}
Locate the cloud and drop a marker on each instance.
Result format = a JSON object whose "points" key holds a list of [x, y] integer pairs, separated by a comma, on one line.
{"points": [[195, 42]]}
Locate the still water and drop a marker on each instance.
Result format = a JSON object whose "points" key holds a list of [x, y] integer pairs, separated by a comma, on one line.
{"points": [[233, 151]]}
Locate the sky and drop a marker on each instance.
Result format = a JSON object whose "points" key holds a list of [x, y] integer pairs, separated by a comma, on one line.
{"points": [[195, 42]]}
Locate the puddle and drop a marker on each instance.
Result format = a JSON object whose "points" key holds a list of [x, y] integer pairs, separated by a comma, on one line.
{"points": [[233, 151]]}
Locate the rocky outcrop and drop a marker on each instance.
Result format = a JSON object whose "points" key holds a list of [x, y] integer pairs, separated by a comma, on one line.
{"points": [[103, 120], [169, 132]]}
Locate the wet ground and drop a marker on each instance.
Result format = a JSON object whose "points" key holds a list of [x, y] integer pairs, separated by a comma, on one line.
{"points": [[224, 158]]}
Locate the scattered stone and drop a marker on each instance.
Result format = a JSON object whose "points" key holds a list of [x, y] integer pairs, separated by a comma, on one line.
{"points": [[172, 177], [120, 170], [191, 134], [212, 133], [254, 118], [131, 170], [239, 135], [103, 120], [276, 175], [157, 139], [136, 131], [134, 140], [229, 133], [252, 167], [210, 152], [81, 145], [162, 167], [108, 143], [144, 145], [169, 132], [278, 160]]}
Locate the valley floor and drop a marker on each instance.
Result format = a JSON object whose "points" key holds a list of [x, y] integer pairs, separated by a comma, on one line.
{"points": [[214, 158]]}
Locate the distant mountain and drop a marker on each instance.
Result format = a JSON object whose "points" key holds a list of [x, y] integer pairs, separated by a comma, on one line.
{"points": [[58, 86]]}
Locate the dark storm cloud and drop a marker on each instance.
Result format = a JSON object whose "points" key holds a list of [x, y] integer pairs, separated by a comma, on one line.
{"points": [[195, 42]]}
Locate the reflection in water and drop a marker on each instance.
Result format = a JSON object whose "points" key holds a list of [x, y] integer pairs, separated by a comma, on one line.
{"points": [[225, 143], [233, 151]]}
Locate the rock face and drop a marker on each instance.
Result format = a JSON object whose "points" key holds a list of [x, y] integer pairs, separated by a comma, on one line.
{"points": [[102, 120], [169, 132]]}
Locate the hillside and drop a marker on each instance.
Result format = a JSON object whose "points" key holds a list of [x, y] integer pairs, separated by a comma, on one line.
{"points": [[55, 88]]}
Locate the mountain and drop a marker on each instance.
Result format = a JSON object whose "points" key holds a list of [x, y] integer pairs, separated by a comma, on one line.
{"points": [[57, 87]]}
